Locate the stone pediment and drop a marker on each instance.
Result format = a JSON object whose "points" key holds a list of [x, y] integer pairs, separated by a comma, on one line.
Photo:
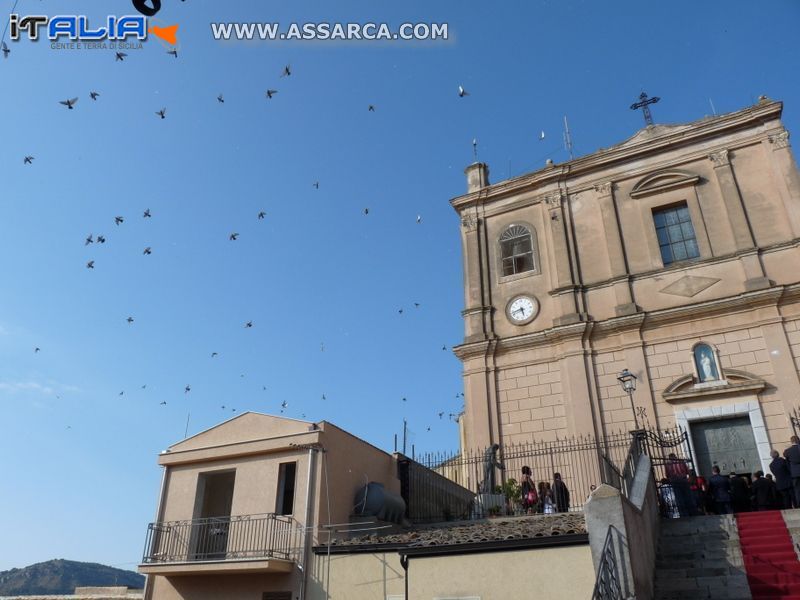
{"points": [[663, 181], [735, 382], [650, 132]]}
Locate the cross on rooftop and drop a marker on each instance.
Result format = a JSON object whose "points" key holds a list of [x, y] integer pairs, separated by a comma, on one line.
{"points": [[644, 103]]}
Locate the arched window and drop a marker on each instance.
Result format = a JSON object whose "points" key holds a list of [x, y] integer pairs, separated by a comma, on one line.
{"points": [[516, 249], [706, 363]]}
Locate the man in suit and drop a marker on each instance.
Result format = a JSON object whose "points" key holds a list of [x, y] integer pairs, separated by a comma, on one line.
{"points": [[783, 479], [763, 492], [720, 488], [792, 455]]}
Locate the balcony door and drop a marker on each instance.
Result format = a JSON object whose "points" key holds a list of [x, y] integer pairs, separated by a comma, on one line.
{"points": [[213, 505]]}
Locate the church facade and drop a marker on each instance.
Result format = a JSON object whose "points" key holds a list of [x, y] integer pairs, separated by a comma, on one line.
{"points": [[673, 257]]}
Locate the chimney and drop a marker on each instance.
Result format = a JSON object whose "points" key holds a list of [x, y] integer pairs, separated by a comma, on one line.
{"points": [[477, 176]]}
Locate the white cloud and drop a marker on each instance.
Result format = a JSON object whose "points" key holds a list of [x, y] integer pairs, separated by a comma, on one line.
{"points": [[13, 387]]}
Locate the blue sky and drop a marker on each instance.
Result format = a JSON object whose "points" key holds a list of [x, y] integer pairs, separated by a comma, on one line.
{"points": [[80, 478]]}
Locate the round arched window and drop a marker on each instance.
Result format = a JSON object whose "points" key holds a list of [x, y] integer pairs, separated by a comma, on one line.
{"points": [[516, 249]]}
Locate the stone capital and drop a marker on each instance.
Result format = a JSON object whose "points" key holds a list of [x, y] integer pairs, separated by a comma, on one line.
{"points": [[779, 140], [604, 189], [469, 222], [553, 200], [720, 159]]}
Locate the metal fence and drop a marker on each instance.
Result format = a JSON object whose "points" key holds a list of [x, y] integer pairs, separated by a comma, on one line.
{"points": [[221, 538], [477, 484]]}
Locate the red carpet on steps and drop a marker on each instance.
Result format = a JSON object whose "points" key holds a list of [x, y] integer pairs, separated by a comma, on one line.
{"points": [[770, 561]]}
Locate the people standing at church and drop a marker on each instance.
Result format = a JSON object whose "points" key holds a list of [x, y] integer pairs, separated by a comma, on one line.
{"points": [[740, 492], [678, 475], [546, 498], [560, 494], [720, 489], [762, 492], [699, 488], [792, 455], [528, 486], [783, 479]]}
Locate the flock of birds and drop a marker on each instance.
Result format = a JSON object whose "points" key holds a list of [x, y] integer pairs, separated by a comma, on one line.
{"points": [[119, 220]]}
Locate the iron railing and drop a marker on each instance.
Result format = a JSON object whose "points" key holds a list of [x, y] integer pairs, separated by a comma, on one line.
{"points": [[221, 538], [607, 585], [477, 484]]}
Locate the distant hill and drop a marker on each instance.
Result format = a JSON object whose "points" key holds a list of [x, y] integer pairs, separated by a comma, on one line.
{"points": [[62, 577]]}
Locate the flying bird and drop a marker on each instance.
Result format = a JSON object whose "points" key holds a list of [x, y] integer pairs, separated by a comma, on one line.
{"points": [[162, 113], [316, 184], [419, 218], [89, 240], [120, 56], [262, 214], [429, 428], [541, 135], [220, 99], [371, 108], [129, 319], [214, 354], [462, 92], [119, 220], [287, 70], [366, 211], [28, 160], [90, 264], [37, 349], [323, 397], [6, 51], [270, 93], [400, 311], [122, 392], [441, 414], [68, 103], [416, 304], [94, 95], [174, 52], [101, 239], [233, 237], [284, 404], [146, 214], [444, 348], [147, 251], [163, 403], [144, 386], [187, 389], [248, 324]]}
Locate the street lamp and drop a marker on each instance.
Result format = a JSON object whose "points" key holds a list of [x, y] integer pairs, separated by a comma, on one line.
{"points": [[628, 382]]}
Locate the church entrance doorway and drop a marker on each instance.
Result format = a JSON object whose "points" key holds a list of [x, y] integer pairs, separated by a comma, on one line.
{"points": [[727, 443]]}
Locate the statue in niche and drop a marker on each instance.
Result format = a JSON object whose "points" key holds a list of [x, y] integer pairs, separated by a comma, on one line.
{"points": [[706, 363]]}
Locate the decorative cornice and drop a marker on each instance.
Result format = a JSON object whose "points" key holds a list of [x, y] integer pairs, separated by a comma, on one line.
{"points": [[627, 151], [779, 140], [720, 159]]}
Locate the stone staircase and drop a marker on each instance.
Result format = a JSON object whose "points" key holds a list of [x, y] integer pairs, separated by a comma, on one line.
{"points": [[700, 557]]}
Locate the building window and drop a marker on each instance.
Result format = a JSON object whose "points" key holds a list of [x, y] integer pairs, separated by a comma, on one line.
{"points": [[516, 250], [286, 477], [706, 363], [675, 234]]}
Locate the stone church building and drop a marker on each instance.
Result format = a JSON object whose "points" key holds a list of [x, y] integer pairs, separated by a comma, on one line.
{"points": [[674, 255]]}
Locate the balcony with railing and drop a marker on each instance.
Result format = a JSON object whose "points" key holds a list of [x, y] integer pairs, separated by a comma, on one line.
{"points": [[261, 543]]}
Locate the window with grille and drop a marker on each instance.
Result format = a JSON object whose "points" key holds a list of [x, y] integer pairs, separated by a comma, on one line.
{"points": [[516, 249], [675, 234]]}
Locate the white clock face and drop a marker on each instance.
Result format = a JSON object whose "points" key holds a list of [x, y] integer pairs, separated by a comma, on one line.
{"points": [[522, 309]]}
